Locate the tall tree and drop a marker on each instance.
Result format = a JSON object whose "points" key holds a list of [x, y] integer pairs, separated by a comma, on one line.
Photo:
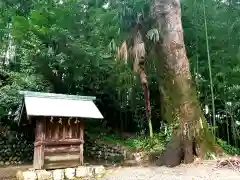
{"points": [[180, 98]]}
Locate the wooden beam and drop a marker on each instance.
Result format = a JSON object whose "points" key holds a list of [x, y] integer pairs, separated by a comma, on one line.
{"points": [[59, 142], [38, 160], [55, 150], [66, 157], [82, 139]]}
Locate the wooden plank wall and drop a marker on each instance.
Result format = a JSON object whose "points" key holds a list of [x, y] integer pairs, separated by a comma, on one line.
{"points": [[81, 133], [39, 146], [63, 144]]}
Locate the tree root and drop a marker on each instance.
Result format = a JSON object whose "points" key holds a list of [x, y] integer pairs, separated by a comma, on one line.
{"points": [[180, 151], [233, 163], [173, 155]]}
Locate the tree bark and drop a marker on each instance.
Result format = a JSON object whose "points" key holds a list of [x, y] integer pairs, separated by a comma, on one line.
{"points": [[181, 104], [138, 67]]}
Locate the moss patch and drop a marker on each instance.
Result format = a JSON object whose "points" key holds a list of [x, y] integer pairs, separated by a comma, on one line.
{"points": [[157, 143]]}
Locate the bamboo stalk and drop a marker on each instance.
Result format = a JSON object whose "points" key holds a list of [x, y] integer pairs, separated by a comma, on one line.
{"points": [[209, 68]]}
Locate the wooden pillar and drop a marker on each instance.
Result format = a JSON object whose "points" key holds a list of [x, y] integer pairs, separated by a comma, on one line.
{"points": [[82, 141], [39, 147]]}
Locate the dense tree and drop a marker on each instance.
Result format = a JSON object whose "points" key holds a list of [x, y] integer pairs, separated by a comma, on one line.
{"points": [[179, 92], [71, 46]]}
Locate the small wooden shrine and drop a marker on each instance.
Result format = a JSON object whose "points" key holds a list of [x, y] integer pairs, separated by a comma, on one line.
{"points": [[59, 127]]}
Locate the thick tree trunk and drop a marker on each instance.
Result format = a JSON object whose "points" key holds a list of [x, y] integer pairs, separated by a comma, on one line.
{"points": [[180, 98]]}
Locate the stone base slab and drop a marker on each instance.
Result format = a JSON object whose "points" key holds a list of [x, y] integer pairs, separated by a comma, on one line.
{"points": [[62, 174]]}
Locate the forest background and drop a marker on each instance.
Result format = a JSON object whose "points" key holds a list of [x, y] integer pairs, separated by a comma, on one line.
{"points": [[82, 47]]}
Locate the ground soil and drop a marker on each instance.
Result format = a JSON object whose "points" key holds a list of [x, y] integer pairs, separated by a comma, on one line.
{"points": [[205, 170]]}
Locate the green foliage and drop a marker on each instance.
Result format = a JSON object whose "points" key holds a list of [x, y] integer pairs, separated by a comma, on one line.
{"points": [[223, 51], [157, 143], [228, 148], [143, 143], [64, 50], [147, 144], [70, 47]]}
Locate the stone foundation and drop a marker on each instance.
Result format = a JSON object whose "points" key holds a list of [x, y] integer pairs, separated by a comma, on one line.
{"points": [[16, 148], [62, 174], [100, 150]]}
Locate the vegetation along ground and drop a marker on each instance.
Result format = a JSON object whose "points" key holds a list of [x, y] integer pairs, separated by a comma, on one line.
{"points": [[165, 74]]}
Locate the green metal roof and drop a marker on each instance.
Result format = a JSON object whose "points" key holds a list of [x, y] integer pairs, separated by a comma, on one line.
{"points": [[57, 96], [49, 104]]}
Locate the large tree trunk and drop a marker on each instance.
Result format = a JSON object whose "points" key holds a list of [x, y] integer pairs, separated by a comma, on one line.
{"points": [[180, 98]]}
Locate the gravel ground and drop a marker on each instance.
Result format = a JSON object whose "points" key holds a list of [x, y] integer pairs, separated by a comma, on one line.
{"points": [[203, 171], [206, 170]]}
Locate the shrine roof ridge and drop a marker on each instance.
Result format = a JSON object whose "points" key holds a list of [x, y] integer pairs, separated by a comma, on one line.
{"points": [[56, 96]]}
